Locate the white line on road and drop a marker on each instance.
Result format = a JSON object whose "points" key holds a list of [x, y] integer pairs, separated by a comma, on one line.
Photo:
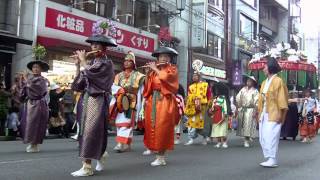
{"points": [[21, 161], [18, 161]]}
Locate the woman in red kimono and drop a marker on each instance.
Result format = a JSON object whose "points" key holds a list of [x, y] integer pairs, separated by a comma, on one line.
{"points": [[161, 110]]}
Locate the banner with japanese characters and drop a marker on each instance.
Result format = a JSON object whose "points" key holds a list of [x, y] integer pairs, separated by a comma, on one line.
{"points": [[199, 23], [75, 26], [237, 73]]}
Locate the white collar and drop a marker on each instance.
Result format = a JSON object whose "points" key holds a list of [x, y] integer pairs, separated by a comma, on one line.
{"points": [[268, 80]]}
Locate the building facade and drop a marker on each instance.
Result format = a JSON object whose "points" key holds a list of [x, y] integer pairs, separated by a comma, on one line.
{"points": [[274, 23], [295, 28], [141, 26], [15, 39], [208, 39], [63, 25], [244, 33]]}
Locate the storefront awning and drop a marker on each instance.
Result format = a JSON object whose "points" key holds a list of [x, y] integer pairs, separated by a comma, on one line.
{"points": [[67, 46], [6, 37], [8, 42], [214, 79]]}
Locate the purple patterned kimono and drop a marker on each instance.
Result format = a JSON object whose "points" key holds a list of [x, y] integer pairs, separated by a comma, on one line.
{"points": [[95, 83], [35, 111]]}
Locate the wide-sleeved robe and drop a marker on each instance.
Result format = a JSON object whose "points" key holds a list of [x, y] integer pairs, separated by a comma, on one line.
{"points": [[201, 91], [35, 111], [291, 124], [161, 110], [95, 83], [247, 102], [132, 87]]}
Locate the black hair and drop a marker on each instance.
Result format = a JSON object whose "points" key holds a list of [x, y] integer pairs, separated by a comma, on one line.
{"points": [[307, 91], [173, 58], [181, 91], [273, 66], [13, 109], [255, 84], [223, 91]]}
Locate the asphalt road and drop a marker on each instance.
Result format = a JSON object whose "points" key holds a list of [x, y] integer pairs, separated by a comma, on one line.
{"points": [[58, 157]]}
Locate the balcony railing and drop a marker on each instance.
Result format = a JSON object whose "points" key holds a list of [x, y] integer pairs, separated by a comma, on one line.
{"points": [[216, 9]]}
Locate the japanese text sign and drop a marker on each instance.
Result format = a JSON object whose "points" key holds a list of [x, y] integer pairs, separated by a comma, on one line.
{"points": [[237, 73], [78, 25]]}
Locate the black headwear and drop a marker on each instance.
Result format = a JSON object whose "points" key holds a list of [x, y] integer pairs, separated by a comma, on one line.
{"points": [[104, 40], [44, 66], [165, 50], [273, 65]]}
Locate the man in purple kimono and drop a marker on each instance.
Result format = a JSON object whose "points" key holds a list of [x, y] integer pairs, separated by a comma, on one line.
{"points": [[35, 112], [95, 83]]}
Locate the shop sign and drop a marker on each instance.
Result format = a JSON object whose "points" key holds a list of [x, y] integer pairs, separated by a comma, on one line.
{"points": [[210, 71], [70, 23], [164, 34], [237, 73], [199, 28], [63, 67]]}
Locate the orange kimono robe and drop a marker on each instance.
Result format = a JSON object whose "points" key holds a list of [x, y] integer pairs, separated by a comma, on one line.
{"points": [[161, 110]]}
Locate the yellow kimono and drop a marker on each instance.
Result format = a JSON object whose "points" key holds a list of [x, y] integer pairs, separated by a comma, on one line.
{"points": [[276, 100], [201, 92]]}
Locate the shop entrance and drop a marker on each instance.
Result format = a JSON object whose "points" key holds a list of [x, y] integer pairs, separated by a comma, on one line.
{"points": [[5, 69]]}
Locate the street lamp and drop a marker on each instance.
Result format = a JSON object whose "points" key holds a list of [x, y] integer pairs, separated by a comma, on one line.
{"points": [[73, 4], [181, 5]]}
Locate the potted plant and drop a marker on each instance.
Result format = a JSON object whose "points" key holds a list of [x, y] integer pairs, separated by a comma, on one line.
{"points": [[39, 52]]}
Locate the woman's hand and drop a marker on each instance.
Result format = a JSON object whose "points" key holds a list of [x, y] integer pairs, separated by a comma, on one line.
{"points": [[81, 55], [153, 66], [76, 59], [24, 76]]}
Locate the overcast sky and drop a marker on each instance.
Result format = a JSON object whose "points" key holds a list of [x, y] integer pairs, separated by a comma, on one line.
{"points": [[310, 17]]}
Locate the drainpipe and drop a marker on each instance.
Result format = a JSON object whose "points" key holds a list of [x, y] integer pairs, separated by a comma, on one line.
{"points": [[149, 19], [97, 6], [35, 21], [19, 18], [190, 50], [133, 11]]}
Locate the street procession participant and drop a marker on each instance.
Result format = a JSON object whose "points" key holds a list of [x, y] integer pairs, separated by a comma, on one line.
{"points": [[161, 111], [291, 125], [307, 126], [180, 101], [95, 82], [35, 111], [246, 101], [218, 110], [317, 114], [272, 108], [199, 94], [77, 112], [128, 100]]}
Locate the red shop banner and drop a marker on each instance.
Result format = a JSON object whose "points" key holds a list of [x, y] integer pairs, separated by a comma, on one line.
{"points": [[78, 25], [286, 65]]}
